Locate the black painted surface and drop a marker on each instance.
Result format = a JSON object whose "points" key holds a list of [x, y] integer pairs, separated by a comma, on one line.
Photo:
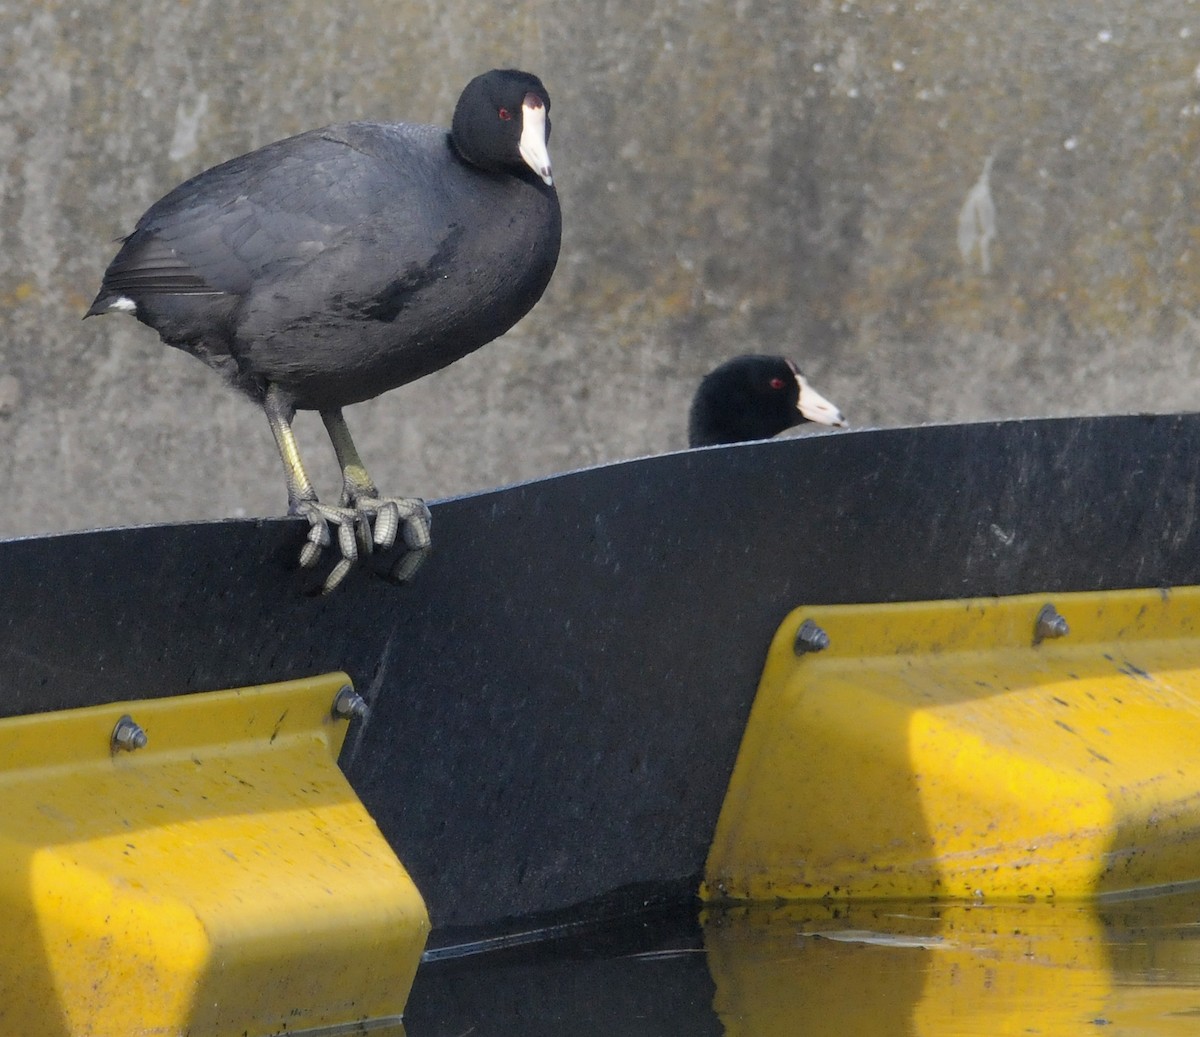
{"points": [[559, 695]]}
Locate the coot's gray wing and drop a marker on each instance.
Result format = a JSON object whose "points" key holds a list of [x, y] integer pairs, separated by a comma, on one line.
{"points": [[257, 218]]}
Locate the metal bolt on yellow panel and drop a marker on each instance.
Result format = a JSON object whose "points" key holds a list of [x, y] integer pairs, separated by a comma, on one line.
{"points": [[217, 875], [984, 748]]}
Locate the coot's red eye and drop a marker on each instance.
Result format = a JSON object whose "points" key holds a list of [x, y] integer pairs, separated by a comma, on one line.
{"points": [[504, 114], [777, 383]]}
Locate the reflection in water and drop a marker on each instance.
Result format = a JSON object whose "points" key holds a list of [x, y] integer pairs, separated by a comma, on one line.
{"points": [[959, 968], [1114, 969], [646, 977]]}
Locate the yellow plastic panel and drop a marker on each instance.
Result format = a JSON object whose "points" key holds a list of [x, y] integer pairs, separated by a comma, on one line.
{"points": [[224, 879], [934, 749]]}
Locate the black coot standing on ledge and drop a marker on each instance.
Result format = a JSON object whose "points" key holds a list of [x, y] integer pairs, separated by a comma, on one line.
{"points": [[330, 267], [755, 397]]}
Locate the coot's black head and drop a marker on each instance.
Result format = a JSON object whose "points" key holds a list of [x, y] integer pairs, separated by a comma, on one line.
{"points": [[755, 397], [502, 123]]}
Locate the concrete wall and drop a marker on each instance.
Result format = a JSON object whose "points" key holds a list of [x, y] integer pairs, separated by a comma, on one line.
{"points": [[944, 211]]}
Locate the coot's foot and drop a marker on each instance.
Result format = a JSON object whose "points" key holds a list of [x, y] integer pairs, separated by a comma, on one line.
{"points": [[393, 514], [356, 535]]}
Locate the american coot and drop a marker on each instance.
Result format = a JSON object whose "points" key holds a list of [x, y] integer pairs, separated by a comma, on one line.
{"points": [[755, 397], [325, 269]]}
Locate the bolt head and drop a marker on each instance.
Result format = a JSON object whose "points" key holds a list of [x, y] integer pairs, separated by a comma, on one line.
{"points": [[1049, 624], [810, 638], [127, 735], [347, 703]]}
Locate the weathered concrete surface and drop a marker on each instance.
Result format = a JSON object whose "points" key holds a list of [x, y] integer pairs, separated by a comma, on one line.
{"points": [[945, 212]]}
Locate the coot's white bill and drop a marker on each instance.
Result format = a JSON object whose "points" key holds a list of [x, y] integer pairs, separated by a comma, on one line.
{"points": [[533, 137], [815, 407]]}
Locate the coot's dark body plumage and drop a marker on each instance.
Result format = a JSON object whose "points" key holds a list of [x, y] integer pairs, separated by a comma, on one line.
{"points": [[325, 269], [754, 397], [348, 261]]}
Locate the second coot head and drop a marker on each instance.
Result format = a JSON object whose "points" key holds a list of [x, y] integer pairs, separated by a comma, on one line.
{"points": [[755, 397]]}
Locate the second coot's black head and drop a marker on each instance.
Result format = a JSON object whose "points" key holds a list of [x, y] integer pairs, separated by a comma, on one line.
{"points": [[755, 397]]}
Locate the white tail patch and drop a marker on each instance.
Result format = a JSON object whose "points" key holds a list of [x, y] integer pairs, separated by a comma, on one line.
{"points": [[123, 304]]}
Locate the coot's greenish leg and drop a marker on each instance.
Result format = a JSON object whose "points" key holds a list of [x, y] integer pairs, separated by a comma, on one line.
{"points": [[302, 498], [360, 494]]}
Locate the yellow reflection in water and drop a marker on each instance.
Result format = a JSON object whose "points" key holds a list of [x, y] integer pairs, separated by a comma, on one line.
{"points": [[935, 970]]}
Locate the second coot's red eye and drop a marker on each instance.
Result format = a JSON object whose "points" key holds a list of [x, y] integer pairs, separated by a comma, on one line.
{"points": [[777, 383], [504, 114]]}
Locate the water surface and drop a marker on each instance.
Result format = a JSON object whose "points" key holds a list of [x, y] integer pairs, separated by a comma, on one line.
{"points": [[1113, 968]]}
